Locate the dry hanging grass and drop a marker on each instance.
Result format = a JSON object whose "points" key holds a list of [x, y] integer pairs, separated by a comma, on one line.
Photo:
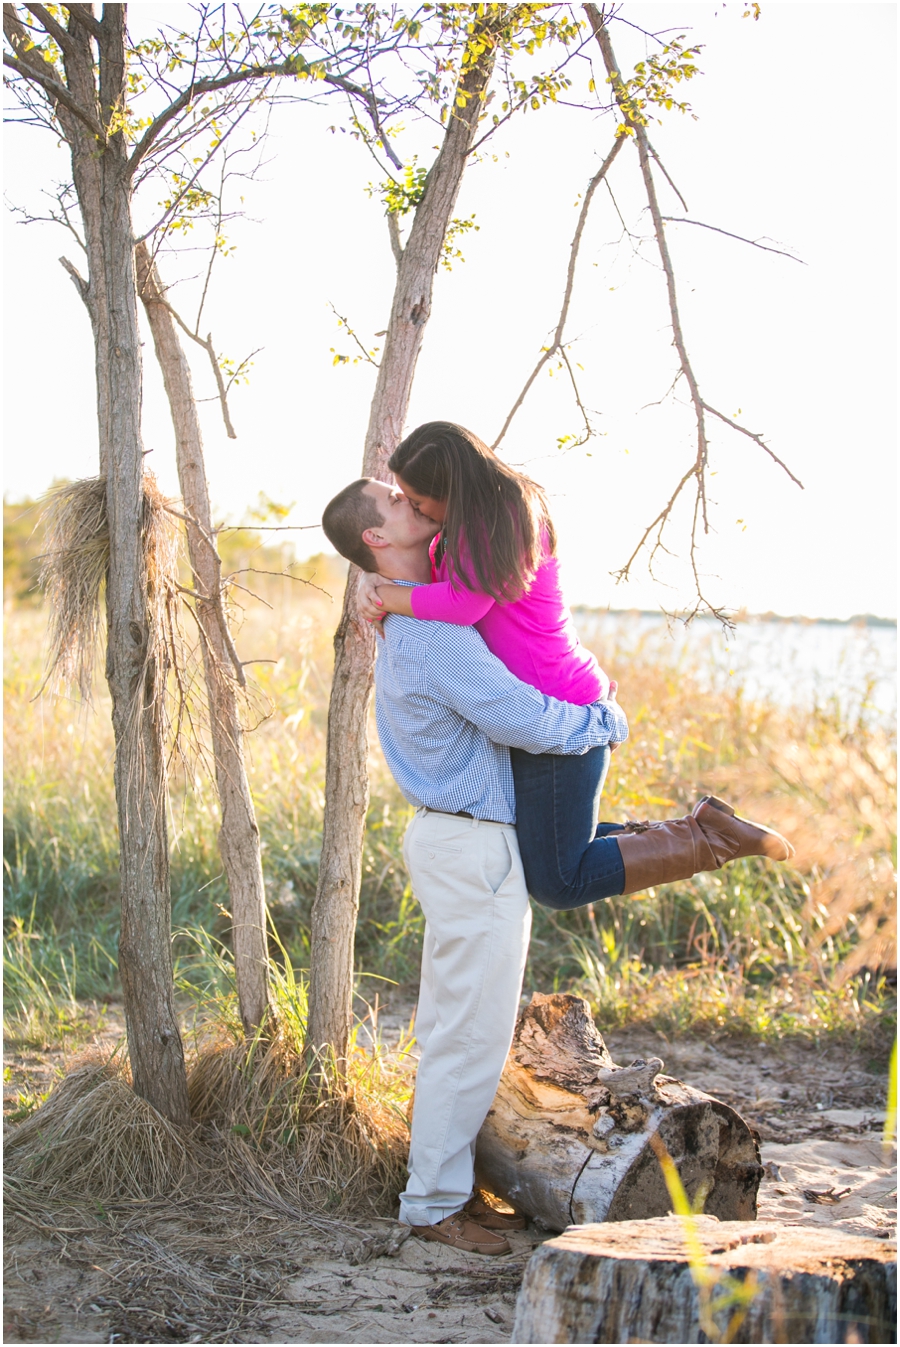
{"points": [[73, 575]]}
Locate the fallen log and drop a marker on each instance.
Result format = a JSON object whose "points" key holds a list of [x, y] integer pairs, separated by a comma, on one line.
{"points": [[570, 1136], [633, 1283]]}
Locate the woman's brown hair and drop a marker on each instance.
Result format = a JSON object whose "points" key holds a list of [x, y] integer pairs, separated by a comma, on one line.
{"points": [[497, 530]]}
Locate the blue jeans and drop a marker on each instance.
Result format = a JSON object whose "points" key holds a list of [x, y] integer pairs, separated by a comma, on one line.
{"points": [[570, 860]]}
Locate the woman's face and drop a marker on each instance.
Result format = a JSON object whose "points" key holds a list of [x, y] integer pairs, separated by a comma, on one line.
{"points": [[426, 506]]}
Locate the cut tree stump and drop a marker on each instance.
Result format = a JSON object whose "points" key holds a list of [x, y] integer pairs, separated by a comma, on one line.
{"points": [[632, 1283], [569, 1138]]}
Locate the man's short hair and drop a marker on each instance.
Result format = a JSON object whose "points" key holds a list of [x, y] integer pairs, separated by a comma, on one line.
{"points": [[345, 519]]}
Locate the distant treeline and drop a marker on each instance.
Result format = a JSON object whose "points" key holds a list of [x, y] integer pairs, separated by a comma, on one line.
{"points": [[23, 543], [858, 620]]}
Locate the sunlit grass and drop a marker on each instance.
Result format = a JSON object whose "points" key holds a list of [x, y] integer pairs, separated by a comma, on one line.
{"points": [[755, 948]]}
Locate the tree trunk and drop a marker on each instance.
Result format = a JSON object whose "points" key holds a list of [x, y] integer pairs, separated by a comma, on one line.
{"points": [[103, 184], [570, 1136], [346, 781], [634, 1283], [239, 833]]}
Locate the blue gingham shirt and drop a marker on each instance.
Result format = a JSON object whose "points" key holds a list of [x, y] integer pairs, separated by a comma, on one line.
{"points": [[446, 709]]}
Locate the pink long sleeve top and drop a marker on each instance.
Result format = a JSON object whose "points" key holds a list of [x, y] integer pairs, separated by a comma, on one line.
{"points": [[534, 636]]}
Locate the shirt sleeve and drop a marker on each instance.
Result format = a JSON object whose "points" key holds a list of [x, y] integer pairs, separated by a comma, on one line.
{"points": [[464, 674], [445, 601]]}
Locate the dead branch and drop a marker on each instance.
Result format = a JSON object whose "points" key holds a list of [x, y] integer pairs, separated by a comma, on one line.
{"points": [[754, 243], [556, 345], [757, 439], [209, 348], [266, 528], [286, 575], [665, 173], [80, 283], [635, 128]]}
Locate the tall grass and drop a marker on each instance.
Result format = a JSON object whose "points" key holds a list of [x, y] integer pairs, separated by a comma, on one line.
{"points": [[754, 948]]}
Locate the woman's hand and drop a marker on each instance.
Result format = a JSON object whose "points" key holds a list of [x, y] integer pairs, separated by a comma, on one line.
{"points": [[368, 605]]}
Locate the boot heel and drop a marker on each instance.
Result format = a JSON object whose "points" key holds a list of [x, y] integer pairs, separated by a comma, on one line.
{"points": [[718, 804]]}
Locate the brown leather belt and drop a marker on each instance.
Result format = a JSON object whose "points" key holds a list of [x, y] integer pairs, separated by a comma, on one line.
{"points": [[464, 813]]}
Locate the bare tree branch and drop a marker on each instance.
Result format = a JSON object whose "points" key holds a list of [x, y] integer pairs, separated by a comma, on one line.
{"points": [[556, 343], [754, 243], [635, 128], [211, 85], [58, 92], [345, 323], [193, 91], [209, 348], [757, 439], [665, 173], [265, 528]]}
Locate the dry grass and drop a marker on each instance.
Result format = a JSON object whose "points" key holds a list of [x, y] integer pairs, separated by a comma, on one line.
{"points": [[95, 1138], [757, 948], [190, 1237], [342, 1151]]}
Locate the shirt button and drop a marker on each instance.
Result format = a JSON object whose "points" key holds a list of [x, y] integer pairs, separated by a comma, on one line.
{"points": [[431, 855]]}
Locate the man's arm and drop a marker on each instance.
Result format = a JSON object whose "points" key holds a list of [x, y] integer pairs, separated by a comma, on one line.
{"points": [[463, 673]]}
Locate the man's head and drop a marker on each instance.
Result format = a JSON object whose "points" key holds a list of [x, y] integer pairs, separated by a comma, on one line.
{"points": [[374, 525]]}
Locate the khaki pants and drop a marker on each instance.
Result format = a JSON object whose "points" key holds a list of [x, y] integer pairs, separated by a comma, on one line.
{"points": [[467, 875]]}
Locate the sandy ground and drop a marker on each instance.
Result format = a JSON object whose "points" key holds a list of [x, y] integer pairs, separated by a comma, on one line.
{"points": [[818, 1112]]}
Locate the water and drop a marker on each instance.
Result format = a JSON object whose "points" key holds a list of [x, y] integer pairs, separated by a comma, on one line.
{"points": [[852, 667]]}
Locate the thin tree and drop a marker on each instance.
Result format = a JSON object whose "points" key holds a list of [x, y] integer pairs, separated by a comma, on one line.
{"points": [[239, 843], [73, 77], [484, 33], [87, 96]]}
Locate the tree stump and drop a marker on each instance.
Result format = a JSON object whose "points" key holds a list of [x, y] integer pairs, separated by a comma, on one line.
{"points": [[569, 1137], [633, 1283]]}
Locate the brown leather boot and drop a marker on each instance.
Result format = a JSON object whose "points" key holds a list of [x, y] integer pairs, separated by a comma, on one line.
{"points": [[725, 830], [662, 853]]}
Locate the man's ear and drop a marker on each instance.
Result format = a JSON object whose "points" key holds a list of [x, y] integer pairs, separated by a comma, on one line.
{"points": [[372, 538]]}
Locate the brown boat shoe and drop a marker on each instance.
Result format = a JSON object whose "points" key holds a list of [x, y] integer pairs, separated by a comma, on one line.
{"points": [[460, 1232], [489, 1218]]}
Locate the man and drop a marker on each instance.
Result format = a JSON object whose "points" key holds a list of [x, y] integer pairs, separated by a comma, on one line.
{"points": [[447, 712]]}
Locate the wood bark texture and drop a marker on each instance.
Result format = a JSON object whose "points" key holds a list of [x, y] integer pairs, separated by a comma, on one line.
{"points": [[336, 905], [239, 844], [633, 1283], [103, 185], [569, 1137]]}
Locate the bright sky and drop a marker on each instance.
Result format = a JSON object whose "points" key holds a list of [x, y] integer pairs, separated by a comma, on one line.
{"points": [[795, 141]]}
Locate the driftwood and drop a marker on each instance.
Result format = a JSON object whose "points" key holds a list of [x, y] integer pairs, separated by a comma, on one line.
{"points": [[570, 1136], [633, 1283]]}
